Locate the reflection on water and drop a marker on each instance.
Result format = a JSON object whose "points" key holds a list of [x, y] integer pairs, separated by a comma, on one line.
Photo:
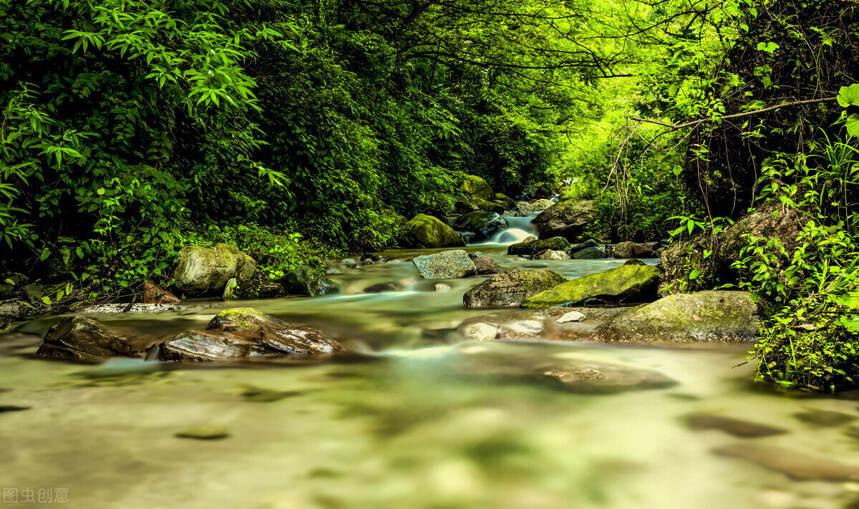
{"points": [[421, 421]]}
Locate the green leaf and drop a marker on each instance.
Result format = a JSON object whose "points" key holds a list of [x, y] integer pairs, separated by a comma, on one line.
{"points": [[849, 96], [46, 300], [853, 125]]}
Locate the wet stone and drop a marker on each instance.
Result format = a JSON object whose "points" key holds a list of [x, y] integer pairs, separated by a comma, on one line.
{"points": [[262, 395], [736, 427]]}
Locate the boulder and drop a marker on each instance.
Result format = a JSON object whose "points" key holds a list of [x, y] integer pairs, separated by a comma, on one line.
{"points": [[244, 333], [154, 295], [534, 206], [578, 246], [701, 316], [509, 289], [485, 265], [425, 231], [383, 287], [679, 259], [589, 253], [481, 223], [627, 283], [568, 218], [445, 265], [794, 464], [487, 205], [532, 246], [475, 187], [83, 339], [304, 280], [635, 250], [551, 254], [502, 199], [259, 287], [206, 270]]}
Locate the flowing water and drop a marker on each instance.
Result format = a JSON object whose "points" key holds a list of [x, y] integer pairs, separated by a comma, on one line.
{"points": [[413, 422]]}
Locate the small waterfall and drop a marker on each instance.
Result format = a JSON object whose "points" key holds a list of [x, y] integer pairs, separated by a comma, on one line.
{"points": [[519, 228]]}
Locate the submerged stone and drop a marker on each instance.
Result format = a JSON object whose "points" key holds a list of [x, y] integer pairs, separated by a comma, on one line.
{"points": [[606, 379], [824, 418], [510, 289], [589, 253], [628, 283], [204, 433], [262, 395], [304, 280], [795, 465], [451, 264], [736, 427], [701, 316], [12, 408]]}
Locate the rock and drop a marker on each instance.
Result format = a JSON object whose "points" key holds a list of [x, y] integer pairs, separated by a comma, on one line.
{"points": [[824, 418], [475, 187], [634, 261], [701, 316], [480, 331], [204, 433], [83, 339], [567, 218], [634, 250], [481, 223], [578, 246], [628, 283], [736, 427], [532, 246], [486, 205], [502, 199], [521, 328], [136, 307], [206, 270], [589, 253], [572, 316], [445, 265], [795, 465], [349, 263], [534, 206], [441, 287], [304, 280], [152, 294], [551, 254], [681, 258], [244, 333], [231, 290], [509, 289], [383, 287], [485, 265], [260, 287], [425, 231], [14, 308]]}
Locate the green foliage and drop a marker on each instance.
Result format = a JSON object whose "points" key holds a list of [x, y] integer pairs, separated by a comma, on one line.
{"points": [[809, 338]]}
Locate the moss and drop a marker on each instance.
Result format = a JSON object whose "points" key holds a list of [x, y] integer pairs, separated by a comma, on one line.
{"points": [[509, 289], [533, 246], [701, 316], [475, 187], [425, 231], [627, 282]]}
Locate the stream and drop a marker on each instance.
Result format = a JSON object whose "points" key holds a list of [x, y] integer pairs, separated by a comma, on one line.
{"points": [[409, 422]]}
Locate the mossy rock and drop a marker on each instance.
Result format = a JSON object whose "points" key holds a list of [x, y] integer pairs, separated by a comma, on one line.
{"points": [[685, 317], [532, 246], [425, 231], [568, 218], [475, 187], [627, 283], [205, 270], [508, 202], [510, 289], [487, 205]]}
